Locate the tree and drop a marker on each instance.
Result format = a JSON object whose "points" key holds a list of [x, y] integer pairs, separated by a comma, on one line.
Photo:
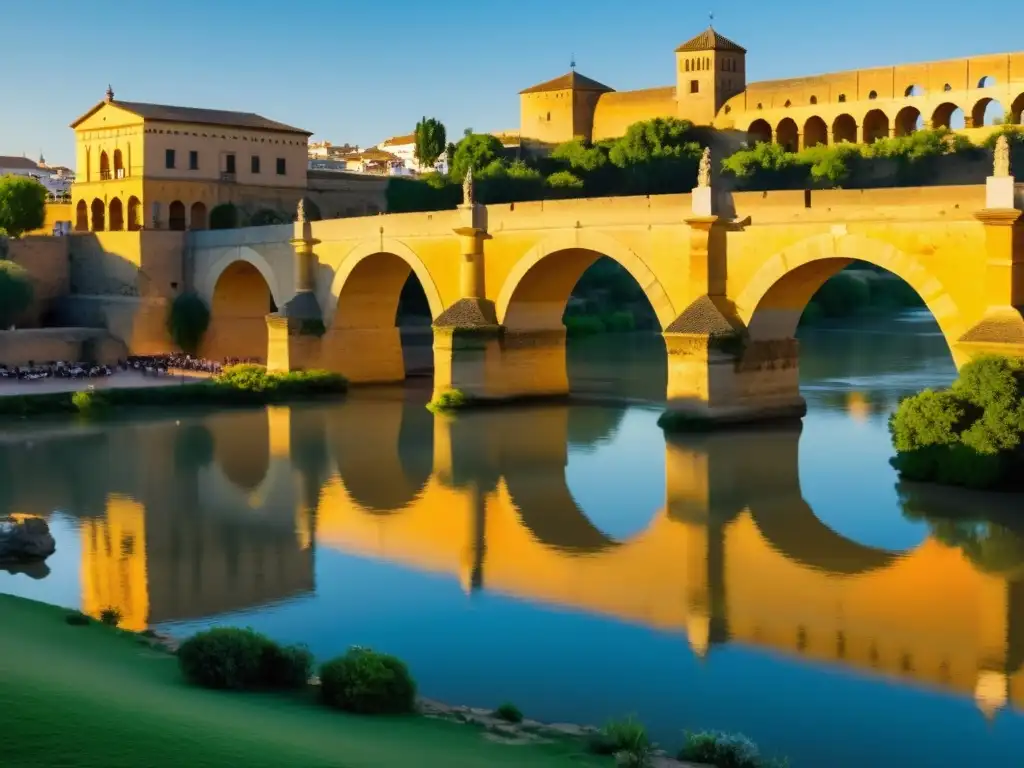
{"points": [[22, 205], [15, 292], [431, 138], [476, 151], [224, 216]]}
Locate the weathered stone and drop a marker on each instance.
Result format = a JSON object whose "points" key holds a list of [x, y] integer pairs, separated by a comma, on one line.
{"points": [[25, 540]]}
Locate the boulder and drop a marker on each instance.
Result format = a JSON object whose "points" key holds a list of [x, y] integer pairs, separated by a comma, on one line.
{"points": [[25, 540]]}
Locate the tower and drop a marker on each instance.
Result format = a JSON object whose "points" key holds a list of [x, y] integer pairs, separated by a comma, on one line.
{"points": [[561, 109], [710, 69]]}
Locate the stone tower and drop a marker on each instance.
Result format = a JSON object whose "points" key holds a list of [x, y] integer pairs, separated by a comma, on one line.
{"points": [[560, 109], [710, 69]]}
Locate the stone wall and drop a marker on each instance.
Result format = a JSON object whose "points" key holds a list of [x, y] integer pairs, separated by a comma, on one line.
{"points": [[347, 194], [45, 345], [46, 259]]}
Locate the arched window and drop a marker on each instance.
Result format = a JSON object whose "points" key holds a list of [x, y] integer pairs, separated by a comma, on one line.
{"points": [[814, 99], [82, 217], [197, 216], [116, 216], [842, 98], [687, 65], [118, 165], [873, 95], [104, 166], [98, 218], [788, 103], [134, 214], [176, 216]]}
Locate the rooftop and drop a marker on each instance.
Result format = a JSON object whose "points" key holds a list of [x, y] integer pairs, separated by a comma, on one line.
{"points": [[571, 81], [710, 40], [170, 114], [20, 163]]}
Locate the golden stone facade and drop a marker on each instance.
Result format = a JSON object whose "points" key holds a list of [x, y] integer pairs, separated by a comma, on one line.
{"points": [[711, 89]]}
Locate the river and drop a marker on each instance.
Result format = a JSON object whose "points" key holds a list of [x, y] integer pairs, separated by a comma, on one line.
{"points": [[569, 559]]}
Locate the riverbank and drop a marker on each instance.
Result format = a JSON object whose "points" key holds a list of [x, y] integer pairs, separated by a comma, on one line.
{"points": [[94, 696], [240, 385]]}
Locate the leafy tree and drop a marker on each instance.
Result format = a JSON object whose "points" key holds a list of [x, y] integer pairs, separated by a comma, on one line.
{"points": [[15, 292], [431, 139], [476, 151], [22, 205], [579, 156], [268, 216], [653, 139], [224, 216]]}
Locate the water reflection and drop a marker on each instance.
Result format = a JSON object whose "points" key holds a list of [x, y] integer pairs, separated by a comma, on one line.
{"points": [[184, 519]]}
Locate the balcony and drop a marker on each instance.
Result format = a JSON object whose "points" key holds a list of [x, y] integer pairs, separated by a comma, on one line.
{"points": [[228, 177], [105, 175]]}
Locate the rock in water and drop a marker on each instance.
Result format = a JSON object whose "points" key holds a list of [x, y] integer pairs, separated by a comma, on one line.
{"points": [[25, 540]]}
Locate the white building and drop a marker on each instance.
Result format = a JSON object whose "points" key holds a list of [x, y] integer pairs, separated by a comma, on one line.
{"points": [[56, 179], [404, 148]]}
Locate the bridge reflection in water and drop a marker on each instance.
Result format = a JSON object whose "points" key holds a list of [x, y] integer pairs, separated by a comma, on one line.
{"points": [[202, 517]]}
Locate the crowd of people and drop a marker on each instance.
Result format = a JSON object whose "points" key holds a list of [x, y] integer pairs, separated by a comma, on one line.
{"points": [[146, 365]]}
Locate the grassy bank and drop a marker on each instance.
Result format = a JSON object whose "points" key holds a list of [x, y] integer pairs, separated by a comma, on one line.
{"points": [[240, 385], [92, 696]]}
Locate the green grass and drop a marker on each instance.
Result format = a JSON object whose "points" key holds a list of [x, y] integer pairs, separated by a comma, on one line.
{"points": [[239, 385], [94, 697]]}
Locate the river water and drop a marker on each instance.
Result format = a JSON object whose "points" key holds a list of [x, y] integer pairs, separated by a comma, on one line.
{"points": [[568, 559]]}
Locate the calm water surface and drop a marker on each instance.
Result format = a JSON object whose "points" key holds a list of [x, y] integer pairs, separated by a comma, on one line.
{"points": [[568, 559]]}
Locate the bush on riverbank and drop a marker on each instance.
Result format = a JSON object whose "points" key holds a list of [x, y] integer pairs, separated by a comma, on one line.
{"points": [[242, 659], [237, 385], [368, 683], [971, 434], [448, 401]]}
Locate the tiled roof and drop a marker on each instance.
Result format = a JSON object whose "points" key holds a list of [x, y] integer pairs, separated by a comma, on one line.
{"points": [[710, 40], [169, 114], [18, 162], [571, 81], [399, 140]]}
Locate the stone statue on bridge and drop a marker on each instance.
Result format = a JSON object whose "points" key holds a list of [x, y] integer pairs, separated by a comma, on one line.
{"points": [[467, 188], [704, 170], [300, 216], [1001, 157]]}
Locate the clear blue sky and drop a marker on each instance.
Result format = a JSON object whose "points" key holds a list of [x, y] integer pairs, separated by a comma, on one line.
{"points": [[362, 71]]}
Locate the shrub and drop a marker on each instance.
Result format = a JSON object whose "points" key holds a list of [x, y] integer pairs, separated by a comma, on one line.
{"points": [[187, 321], [224, 216], [266, 217], [509, 713], [111, 616], [627, 740], [286, 667], [15, 292], [88, 401], [451, 400], [224, 658], [77, 619], [969, 435], [564, 180], [366, 682], [722, 750]]}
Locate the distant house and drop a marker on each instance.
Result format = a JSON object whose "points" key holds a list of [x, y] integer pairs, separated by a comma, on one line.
{"points": [[56, 179]]}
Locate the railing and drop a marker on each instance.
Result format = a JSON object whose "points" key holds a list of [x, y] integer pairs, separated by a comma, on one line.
{"points": [[228, 177], [105, 175]]}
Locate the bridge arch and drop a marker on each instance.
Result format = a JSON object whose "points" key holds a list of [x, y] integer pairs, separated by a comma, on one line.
{"points": [[535, 293], [375, 263], [773, 300], [241, 289]]}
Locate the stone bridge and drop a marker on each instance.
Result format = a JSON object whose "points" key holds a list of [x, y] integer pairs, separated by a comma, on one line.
{"points": [[728, 277]]}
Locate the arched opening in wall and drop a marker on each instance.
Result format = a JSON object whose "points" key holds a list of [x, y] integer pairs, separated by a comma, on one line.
{"points": [[197, 216], [104, 166], [788, 135], [116, 215], [913, 91], [987, 112], [844, 128], [611, 324], [81, 217], [815, 132], [759, 132], [866, 339], [908, 120], [176, 216], [876, 126], [134, 214], [98, 221], [118, 165], [238, 310], [987, 82], [948, 115], [381, 331], [1016, 110]]}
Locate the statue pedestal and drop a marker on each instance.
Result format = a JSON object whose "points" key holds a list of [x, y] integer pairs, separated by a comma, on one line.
{"points": [[999, 192], [703, 202]]}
